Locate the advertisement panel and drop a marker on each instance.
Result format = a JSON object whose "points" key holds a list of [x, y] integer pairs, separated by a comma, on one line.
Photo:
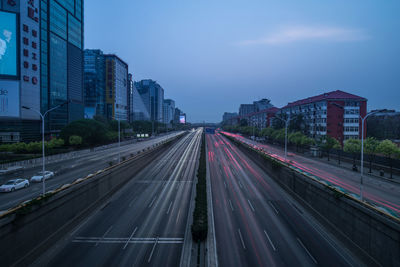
{"points": [[8, 44], [9, 98], [182, 119]]}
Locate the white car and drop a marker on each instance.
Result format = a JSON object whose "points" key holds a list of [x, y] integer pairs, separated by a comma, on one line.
{"points": [[39, 176], [14, 184]]}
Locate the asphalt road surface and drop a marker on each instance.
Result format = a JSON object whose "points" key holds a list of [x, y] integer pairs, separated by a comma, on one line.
{"points": [[375, 190], [144, 223], [257, 223], [69, 170]]}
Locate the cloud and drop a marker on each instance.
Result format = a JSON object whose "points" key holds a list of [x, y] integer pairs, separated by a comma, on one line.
{"points": [[306, 33]]}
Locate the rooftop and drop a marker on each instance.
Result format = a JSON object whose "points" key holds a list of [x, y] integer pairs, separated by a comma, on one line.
{"points": [[334, 95]]}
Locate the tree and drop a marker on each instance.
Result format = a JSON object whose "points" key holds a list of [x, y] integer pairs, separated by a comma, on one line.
{"points": [[352, 146], [329, 143], [243, 122], [371, 148], [92, 132], [296, 139], [75, 140], [389, 149]]}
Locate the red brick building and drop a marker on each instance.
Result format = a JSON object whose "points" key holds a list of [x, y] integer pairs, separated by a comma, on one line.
{"points": [[334, 113]]}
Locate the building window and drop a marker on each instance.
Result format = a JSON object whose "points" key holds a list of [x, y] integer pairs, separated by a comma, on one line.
{"points": [[26, 53], [34, 45], [34, 33], [25, 28], [26, 41], [34, 67], [26, 64]]}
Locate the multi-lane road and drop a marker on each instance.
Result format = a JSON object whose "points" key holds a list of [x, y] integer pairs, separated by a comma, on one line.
{"points": [[69, 170], [144, 223], [257, 223], [380, 192]]}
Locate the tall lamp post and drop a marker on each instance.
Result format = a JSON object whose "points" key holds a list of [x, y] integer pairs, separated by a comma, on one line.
{"points": [[119, 139], [362, 146], [42, 116], [286, 127]]}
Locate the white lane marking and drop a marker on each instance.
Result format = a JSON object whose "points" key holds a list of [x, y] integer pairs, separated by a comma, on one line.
{"points": [[241, 239], [272, 205], [270, 241], [169, 208], [240, 184], [109, 229], [152, 202], [308, 252], [251, 206], [177, 218], [134, 231], [224, 184], [230, 203], [152, 250]]}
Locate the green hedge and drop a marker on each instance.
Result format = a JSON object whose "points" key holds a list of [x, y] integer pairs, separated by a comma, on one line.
{"points": [[200, 218]]}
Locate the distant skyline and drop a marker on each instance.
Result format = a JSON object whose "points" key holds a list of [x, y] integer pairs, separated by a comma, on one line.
{"points": [[212, 56]]}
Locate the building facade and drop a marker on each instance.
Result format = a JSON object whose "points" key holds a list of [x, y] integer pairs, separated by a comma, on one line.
{"points": [[137, 110], [245, 109], [334, 113], [153, 98], [169, 111], [228, 115], [117, 88], [61, 61], [261, 119], [94, 83], [19, 70]]}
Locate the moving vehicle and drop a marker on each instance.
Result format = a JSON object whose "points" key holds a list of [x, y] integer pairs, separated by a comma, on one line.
{"points": [[14, 184], [39, 177]]}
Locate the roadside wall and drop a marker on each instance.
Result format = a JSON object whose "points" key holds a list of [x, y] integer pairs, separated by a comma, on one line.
{"points": [[29, 230], [374, 235]]}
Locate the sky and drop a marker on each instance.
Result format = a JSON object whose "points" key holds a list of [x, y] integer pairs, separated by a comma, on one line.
{"points": [[212, 56]]}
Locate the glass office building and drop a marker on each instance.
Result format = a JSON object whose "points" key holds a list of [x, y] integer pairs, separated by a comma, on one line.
{"points": [[61, 24]]}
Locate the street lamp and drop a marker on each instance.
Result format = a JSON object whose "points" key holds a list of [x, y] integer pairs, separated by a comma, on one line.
{"points": [[286, 127], [119, 139], [362, 145], [42, 116], [362, 148]]}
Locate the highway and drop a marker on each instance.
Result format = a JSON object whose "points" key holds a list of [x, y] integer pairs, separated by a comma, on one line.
{"points": [[144, 223], [376, 191], [69, 170], [257, 223]]}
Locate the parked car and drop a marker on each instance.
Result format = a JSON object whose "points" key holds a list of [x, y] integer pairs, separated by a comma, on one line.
{"points": [[14, 184], [39, 177]]}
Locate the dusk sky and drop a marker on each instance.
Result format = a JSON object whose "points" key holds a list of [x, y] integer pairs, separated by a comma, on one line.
{"points": [[211, 56]]}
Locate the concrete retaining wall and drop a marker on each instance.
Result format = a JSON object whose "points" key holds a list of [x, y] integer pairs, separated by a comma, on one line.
{"points": [[28, 232], [374, 236]]}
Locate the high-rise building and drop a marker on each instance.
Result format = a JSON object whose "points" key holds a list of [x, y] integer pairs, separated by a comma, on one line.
{"points": [[117, 88], [245, 109], [153, 98], [137, 109], [19, 70], [94, 83], [262, 104], [169, 111], [61, 60], [228, 115], [177, 115]]}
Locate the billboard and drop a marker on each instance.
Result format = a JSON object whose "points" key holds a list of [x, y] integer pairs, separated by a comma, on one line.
{"points": [[9, 98], [8, 44], [182, 119]]}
